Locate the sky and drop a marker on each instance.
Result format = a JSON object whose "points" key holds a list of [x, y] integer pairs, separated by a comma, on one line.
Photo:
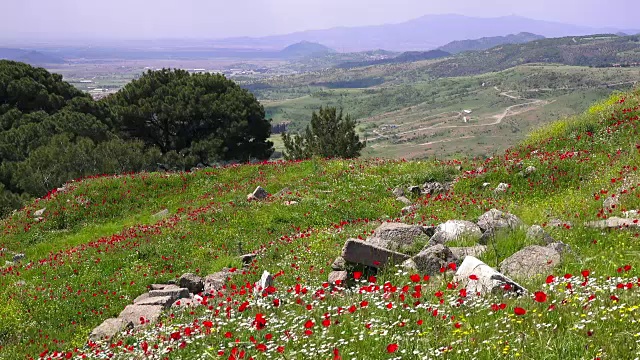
{"points": [[149, 19]]}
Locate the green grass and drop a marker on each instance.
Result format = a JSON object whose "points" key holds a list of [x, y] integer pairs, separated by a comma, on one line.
{"points": [[85, 263]]}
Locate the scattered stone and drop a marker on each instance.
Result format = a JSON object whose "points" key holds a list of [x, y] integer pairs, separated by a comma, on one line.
{"points": [[141, 315], [258, 194], [282, 192], [216, 281], [488, 279], [631, 214], [537, 233], [530, 170], [18, 257], [530, 261], [161, 214], [398, 192], [557, 223], [266, 281], [410, 265], [560, 247], [462, 252], [142, 297], [110, 328], [339, 264], [459, 167], [502, 187], [497, 219], [164, 301], [409, 209], [430, 260], [290, 203], [247, 259], [414, 189], [614, 223], [454, 230], [192, 282], [484, 185], [611, 202], [429, 230], [335, 276], [433, 188], [404, 200], [20, 283], [396, 236], [163, 286], [361, 252], [194, 301], [39, 213], [175, 294]]}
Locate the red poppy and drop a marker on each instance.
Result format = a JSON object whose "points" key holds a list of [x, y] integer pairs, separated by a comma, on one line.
{"points": [[550, 279], [391, 348], [357, 275], [309, 324], [540, 296], [473, 277], [585, 273], [415, 278], [519, 311]]}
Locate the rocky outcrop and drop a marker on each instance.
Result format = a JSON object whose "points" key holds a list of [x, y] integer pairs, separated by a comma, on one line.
{"points": [[109, 328], [479, 278], [614, 223], [141, 315], [462, 252], [496, 219], [432, 259], [191, 282], [336, 276], [395, 236], [258, 194]]}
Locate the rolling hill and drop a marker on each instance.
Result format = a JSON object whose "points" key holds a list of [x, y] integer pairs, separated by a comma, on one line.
{"points": [[304, 49], [405, 57], [29, 56], [427, 32], [485, 43]]}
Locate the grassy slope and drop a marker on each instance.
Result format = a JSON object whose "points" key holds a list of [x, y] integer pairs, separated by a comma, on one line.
{"points": [[86, 262]]}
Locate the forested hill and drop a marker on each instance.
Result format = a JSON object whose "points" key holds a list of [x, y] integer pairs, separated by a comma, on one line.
{"points": [[485, 43]]}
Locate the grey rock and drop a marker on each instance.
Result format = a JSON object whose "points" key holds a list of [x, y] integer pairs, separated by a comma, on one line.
{"points": [[258, 194], [109, 328], [414, 189], [194, 301], [409, 209], [193, 282], [142, 297], [537, 233], [501, 188], [430, 260], [614, 223], [398, 192], [558, 223], [462, 252], [404, 200], [429, 230], [631, 214], [290, 203], [247, 259], [530, 170], [489, 281], [611, 202], [266, 280], [396, 236], [335, 276], [215, 282], [339, 264], [282, 192], [454, 230], [434, 188], [484, 185], [175, 294], [39, 213], [560, 247], [141, 315], [497, 219], [530, 261], [161, 214], [164, 301], [163, 286], [410, 265], [18, 257], [360, 252]]}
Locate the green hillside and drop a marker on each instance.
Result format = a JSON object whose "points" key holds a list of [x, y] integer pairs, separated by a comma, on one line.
{"points": [[456, 47], [97, 246]]}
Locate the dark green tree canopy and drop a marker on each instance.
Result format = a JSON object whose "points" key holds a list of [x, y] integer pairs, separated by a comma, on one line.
{"points": [[330, 135], [202, 115]]}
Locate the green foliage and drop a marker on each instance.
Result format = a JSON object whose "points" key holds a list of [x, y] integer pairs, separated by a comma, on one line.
{"points": [[330, 135], [205, 115]]}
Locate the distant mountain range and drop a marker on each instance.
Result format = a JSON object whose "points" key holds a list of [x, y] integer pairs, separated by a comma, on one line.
{"points": [[29, 56], [485, 43], [424, 33]]}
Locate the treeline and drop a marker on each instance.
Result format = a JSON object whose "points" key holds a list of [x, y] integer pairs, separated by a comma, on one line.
{"points": [[51, 133]]}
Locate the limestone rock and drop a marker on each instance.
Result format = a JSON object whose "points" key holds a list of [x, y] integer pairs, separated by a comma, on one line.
{"points": [[141, 315], [462, 252], [488, 279], [247, 259], [290, 203], [497, 219], [414, 189], [18, 257], [404, 200], [530, 261], [266, 280], [409, 209], [614, 223], [164, 301], [161, 214], [361, 252], [163, 286], [537, 233], [530, 170], [396, 236], [455, 229], [191, 282], [501, 188], [611, 202], [109, 328], [174, 294], [398, 192], [430, 260], [339, 264], [258, 194], [341, 276], [215, 282], [39, 213], [433, 188], [142, 297]]}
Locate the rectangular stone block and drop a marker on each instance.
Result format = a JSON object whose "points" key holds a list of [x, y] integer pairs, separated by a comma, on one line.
{"points": [[141, 315], [174, 294], [164, 301], [360, 252]]}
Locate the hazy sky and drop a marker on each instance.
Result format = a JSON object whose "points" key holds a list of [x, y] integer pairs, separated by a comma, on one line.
{"points": [[143, 19]]}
